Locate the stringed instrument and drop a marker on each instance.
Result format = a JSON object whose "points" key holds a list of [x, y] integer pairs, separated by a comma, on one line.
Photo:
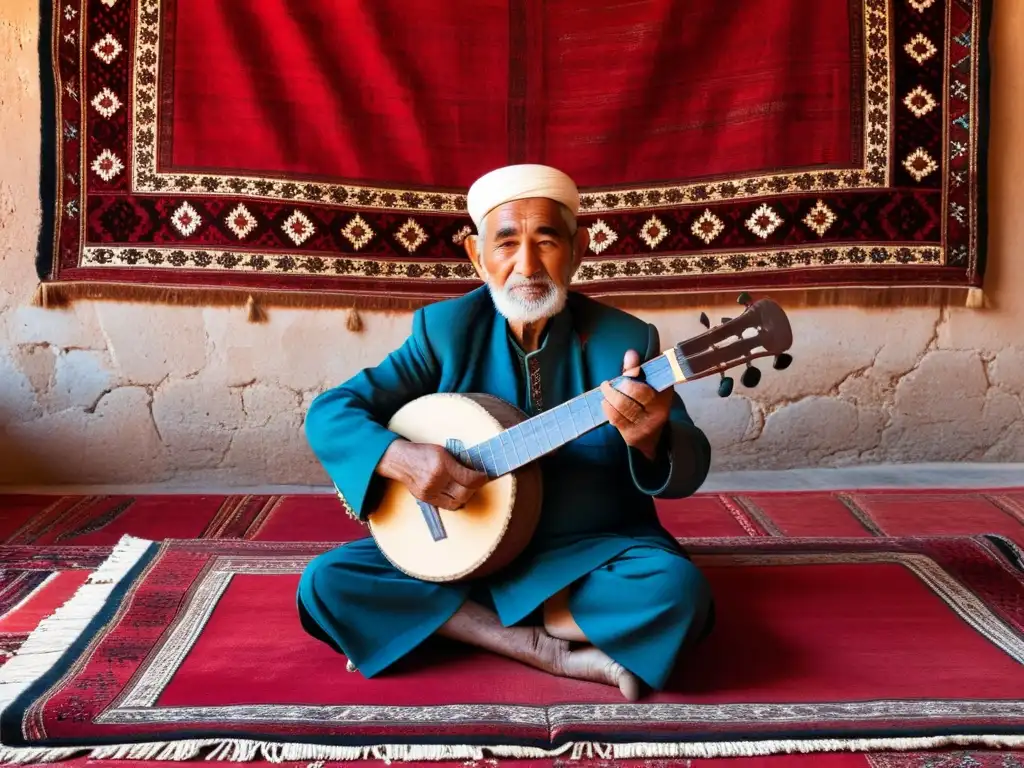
{"points": [[497, 438]]}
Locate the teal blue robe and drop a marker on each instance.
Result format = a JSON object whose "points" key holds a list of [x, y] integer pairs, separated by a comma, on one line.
{"points": [[634, 592]]}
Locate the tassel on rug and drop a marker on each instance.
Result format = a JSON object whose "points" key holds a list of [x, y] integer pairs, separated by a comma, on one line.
{"points": [[354, 322], [256, 313]]}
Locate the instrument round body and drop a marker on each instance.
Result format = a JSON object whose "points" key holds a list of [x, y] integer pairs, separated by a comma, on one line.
{"points": [[491, 530]]}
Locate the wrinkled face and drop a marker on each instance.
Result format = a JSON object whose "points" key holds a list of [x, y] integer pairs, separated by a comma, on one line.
{"points": [[527, 257]]}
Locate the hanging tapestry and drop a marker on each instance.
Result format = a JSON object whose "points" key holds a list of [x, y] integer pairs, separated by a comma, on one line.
{"points": [[319, 152]]}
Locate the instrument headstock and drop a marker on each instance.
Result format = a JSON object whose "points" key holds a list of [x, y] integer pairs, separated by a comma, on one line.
{"points": [[762, 329]]}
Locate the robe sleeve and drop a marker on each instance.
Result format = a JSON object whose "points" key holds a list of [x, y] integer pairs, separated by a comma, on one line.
{"points": [[683, 457], [345, 426]]}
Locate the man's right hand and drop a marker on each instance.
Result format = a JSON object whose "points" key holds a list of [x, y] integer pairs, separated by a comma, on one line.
{"points": [[430, 473]]}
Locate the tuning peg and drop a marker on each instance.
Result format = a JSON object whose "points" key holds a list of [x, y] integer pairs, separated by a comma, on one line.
{"points": [[704, 320], [725, 387], [782, 361], [744, 299], [750, 377]]}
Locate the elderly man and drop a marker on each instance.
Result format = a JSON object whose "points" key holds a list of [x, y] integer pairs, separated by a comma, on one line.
{"points": [[603, 592]]}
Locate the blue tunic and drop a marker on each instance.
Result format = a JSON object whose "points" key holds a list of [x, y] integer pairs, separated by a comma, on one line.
{"points": [[634, 593]]}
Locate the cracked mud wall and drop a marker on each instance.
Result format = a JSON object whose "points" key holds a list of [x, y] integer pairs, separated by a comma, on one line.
{"points": [[131, 394]]}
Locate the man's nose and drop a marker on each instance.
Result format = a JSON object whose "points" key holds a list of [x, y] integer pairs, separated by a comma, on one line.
{"points": [[528, 261]]}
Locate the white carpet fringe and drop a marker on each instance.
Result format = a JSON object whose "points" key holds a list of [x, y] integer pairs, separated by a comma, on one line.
{"points": [[58, 631], [244, 750]]}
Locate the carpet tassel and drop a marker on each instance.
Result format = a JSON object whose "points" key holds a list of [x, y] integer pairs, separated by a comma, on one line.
{"points": [[975, 299], [354, 322], [49, 296], [256, 313]]}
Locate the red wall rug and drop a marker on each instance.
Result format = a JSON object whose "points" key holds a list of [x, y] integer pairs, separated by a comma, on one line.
{"points": [[180, 649], [198, 152]]}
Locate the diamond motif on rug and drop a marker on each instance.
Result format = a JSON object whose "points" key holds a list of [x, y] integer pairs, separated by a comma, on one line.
{"points": [[919, 164], [186, 219], [653, 232], [298, 227], [107, 165], [240, 221], [107, 48], [357, 232], [919, 102], [601, 236], [921, 5], [460, 237], [411, 235], [920, 48], [708, 226], [820, 218], [763, 221], [106, 102]]}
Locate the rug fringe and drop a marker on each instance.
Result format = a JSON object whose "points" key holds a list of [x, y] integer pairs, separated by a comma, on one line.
{"points": [[856, 297], [244, 750], [255, 302], [54, 295], [57, 632]]}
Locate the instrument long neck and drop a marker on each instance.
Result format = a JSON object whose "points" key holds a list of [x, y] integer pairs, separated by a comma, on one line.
{"points": [[550, 430]]}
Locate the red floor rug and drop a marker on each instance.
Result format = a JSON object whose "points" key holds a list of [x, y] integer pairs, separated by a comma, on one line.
{"points": [[101, 520], [183, 648]]}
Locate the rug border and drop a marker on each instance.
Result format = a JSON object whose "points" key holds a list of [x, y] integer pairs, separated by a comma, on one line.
{"points": [[982, 137], [48, 147]]}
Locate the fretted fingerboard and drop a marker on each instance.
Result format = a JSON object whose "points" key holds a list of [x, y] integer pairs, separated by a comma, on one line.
{"points": [[539, 435]]}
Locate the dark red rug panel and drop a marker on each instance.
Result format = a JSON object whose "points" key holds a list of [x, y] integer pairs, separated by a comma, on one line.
{"points": [[107, 518], [841, 632], [102, 520], [307, 518], [705, 515], [589, 89], [799, 633], [923, 513], [809, 514], [21, 514]]}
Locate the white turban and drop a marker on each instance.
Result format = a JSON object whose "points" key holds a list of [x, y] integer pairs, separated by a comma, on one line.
{"points": [[519, 182]]}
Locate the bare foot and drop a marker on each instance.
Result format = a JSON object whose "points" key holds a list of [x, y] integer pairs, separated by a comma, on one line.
{"points": [[588, 663]]}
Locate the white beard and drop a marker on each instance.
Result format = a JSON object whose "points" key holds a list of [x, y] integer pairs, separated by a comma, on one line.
{"points": [[517, 309]]}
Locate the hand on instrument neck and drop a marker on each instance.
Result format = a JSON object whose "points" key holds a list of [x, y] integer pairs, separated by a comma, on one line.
{"points": [[636, 409]]}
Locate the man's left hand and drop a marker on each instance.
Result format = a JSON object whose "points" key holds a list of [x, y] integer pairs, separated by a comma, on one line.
{"points": [[636, 409]]}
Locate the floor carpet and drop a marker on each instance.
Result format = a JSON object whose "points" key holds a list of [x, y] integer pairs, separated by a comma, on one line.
{"points": [[847, 617], [103, 520]]}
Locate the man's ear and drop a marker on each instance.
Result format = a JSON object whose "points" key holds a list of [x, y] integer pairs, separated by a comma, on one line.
{"points": [[474, 249]]}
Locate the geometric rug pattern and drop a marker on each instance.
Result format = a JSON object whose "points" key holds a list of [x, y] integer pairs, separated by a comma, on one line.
{"points": [[54, 544]]}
